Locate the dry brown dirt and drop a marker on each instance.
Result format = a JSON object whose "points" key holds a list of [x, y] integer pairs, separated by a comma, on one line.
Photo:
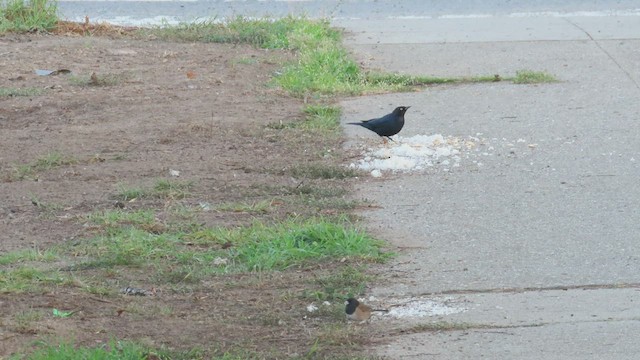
{"points": [[152, 106]]}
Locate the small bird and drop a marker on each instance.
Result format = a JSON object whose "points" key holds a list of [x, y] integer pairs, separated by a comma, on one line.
{"points": [[387, 125], [357, 311]]}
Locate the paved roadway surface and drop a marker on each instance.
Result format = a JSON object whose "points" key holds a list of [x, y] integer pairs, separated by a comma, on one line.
{"points": [[540, 244], [133, 12]]}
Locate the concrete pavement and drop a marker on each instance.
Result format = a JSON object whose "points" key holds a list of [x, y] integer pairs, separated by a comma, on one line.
{"points": [[544, 207]]}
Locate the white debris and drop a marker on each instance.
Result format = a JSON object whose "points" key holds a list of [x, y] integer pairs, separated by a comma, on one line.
{"points": [[174, 173], [413, 153], [326, 303], [423, 308], [312, 307]]}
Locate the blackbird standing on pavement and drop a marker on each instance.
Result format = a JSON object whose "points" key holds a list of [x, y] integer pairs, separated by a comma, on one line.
{"points": [[387, 125]]}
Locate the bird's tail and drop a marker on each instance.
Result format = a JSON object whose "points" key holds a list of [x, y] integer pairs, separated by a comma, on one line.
{"points": [[383, 310], [355, 123]]}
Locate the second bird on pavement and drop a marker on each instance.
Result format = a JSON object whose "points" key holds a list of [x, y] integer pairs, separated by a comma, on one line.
{"points": [[358, 311], [387, 125]]}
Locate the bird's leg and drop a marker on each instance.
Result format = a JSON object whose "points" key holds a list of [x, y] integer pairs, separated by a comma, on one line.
{"points": [[389, 137], [384, 140]]}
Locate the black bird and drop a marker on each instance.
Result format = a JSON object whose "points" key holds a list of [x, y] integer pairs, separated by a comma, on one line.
{"points": [[358, 311], [387, 125]]}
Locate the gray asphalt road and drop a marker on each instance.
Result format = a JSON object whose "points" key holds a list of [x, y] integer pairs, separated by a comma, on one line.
{"points": [[141, 12], [545, 207]]}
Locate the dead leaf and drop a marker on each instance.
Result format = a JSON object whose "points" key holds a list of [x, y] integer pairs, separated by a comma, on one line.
{"points": [[191, 75]]}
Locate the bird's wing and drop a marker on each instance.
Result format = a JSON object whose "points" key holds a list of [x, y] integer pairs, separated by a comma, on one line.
{"points": [[379, 121]]}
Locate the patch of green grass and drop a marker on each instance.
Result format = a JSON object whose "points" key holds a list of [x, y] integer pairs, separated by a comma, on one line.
{"points": [[26, 255], [188, 255], [322, 171], [291, 243], [321, 117], [43, 163], [325, 68], [317, 118], [284, 33], [247, 61], [115, 349], [21, 172], [259, 207], [118, 218], [171, 189], [98, 79], [53, 159], [27, 279], [28, 16], [27, 91], [127, 193], [533, 77], [127, 246], [403, 81], [162, 188]]}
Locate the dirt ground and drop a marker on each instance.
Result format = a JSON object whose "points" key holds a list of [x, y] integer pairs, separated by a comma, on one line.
{"points": [[128, 113]]}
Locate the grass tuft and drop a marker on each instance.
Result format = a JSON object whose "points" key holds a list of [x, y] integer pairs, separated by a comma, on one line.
{"points": [[46, 162], [321, 117], [28, 16], [322, 171], [533, 77], [27, 279], [117, 218], [120, 349], [25, 255], [53, 159], [171, 189], [129, 193], [260, 207], [98, 79], [27, 91], [294, 244], [285, 33], [162, 188]]}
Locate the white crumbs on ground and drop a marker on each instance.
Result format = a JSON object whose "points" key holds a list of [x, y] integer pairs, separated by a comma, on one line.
{"points": [[416, 153], [417, 307]]}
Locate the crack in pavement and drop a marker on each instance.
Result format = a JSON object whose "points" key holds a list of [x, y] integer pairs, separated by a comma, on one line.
{"points": [[606, 52], [514, 290]]}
